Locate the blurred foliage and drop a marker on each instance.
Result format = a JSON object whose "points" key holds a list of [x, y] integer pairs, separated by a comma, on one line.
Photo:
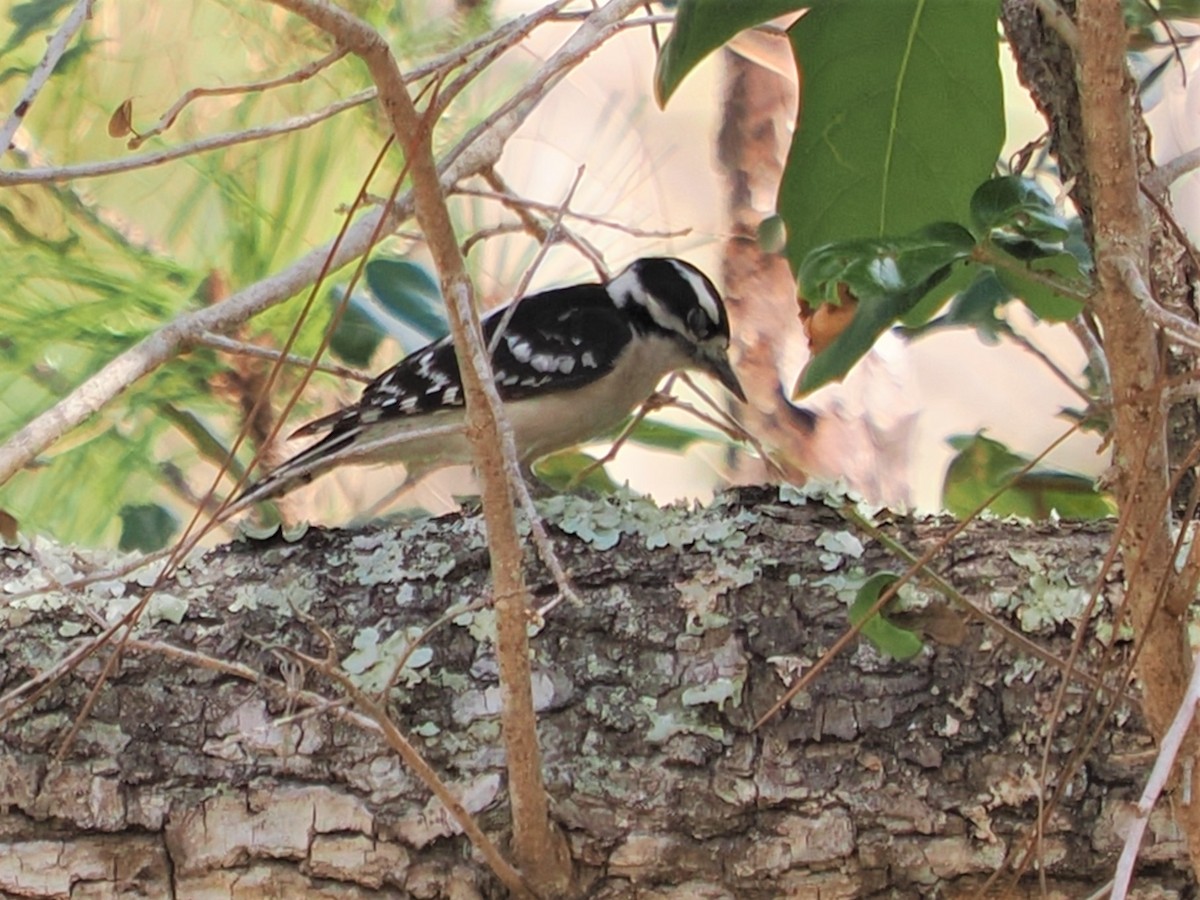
{"points": [[984, 466], [93, 266], [886, 202]]}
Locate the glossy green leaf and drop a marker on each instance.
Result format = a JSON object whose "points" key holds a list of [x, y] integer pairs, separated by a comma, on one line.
{"points": [[410, 294], [887, 277], [146, 527], [701, 26], [902, 118], [983, 466], [898, 643], [357, 335], [665, 436], [1046, 286], [1005, 202], [561, 471]]}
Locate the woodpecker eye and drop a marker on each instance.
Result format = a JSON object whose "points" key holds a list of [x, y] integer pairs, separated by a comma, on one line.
{"points": [[698, 322]]}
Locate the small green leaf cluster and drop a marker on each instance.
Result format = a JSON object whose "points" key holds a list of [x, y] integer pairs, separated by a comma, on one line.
{"points": [[901, 121], [1017, 245]]}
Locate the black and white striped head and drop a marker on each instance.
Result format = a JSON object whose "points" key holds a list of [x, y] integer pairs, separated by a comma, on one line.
{"points": [[672, 298]]}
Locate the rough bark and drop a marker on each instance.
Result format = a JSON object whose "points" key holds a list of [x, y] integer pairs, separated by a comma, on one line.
{"points": [[1083, 85], [888, 778]]}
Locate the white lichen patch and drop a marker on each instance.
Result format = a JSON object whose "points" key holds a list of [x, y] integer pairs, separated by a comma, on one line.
{"points": [[373, 661]]}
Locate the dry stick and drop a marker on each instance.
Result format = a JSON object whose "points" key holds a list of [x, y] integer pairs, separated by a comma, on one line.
{"points": [[588, 250], [440, 622], [939, 583], [505, 33], [541, 854], [1161, 179], [56, 46], [548, 238], [486, 234], [1041, 355], [241, 348], [1163, 765], [518, 30], [305, 72], [45, 174], [885, 596], [516, 480], [1121, 241], [515, 202]]}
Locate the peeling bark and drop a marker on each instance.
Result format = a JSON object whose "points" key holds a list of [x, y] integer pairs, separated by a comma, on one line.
{"points": [[887, 778]]}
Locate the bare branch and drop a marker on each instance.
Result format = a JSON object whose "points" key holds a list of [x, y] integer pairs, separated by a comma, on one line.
{"points": [[475, 152], [1164, 764], [513, 200], [241, 348], [1161, 179], [45, 174], [299, 75]]}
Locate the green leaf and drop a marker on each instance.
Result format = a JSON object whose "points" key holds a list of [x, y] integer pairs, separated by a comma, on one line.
{"points": [[405, 301], [358, 333], [902, 118], [701, 26], [1047, 302], [146, 527], [665, 436], [559, 470], [30, 17], [983, 466], [887, 277], [898, 643], [1018, 205], [410, 294], [1017, 218], [976, 307]]}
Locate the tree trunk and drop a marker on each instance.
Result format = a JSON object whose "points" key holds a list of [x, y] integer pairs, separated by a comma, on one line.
{"points": [[210, 765]]}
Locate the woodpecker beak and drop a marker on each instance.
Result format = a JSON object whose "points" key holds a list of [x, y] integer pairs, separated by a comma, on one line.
{"points": [[716, 363]]}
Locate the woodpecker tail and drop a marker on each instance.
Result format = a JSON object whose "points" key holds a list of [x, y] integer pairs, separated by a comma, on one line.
{"points": [[299, 470]]}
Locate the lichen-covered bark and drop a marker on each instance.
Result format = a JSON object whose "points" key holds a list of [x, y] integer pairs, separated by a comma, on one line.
{"points": [[887, 778]]}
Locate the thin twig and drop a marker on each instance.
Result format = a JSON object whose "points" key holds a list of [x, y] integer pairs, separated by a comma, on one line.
{"points": [[167, 119], [513, 200], [56, 46], [1160, 180], [44, 174], [1163, 765], [547, 241], [241, 348]]}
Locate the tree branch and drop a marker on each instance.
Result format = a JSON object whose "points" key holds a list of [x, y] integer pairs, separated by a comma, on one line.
{"points": [[479, 149], [55, 48]]}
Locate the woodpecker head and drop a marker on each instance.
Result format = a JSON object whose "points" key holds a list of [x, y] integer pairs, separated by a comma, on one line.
{"points": [[673, 298]]}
